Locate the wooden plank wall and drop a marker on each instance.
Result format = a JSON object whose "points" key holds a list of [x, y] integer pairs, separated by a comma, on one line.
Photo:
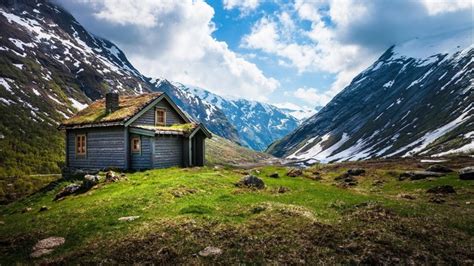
{"points": [[168, 151], [148, 118], [142, 160], [105, 148]]}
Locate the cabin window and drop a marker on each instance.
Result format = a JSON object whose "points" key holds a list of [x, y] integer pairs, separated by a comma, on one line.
{"points": [[81, 144], [160, 119], [136, 145]]}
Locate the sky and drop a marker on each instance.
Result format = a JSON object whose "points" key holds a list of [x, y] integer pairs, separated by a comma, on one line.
{"points": [[291, 53]]}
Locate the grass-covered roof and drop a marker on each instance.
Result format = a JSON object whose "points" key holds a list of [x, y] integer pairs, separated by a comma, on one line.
{"points": [[95, 113]]}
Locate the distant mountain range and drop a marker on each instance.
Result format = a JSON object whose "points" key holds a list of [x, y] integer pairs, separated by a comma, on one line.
{"points": [[416, 99], [50, 67]]}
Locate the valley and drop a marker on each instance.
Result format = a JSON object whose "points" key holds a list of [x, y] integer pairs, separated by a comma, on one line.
{"points": [[200, 216]]}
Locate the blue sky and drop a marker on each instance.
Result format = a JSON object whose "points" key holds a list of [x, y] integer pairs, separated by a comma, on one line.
{"points": [[297, 53]]}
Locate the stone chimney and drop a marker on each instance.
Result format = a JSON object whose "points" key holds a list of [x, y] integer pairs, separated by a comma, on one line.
{"points": [[111, 102]]}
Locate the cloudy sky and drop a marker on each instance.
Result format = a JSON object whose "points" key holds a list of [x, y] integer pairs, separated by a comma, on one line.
{"points": [[285, 52]]}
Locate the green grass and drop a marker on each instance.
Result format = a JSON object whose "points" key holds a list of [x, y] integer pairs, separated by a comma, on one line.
{"points": [[168, 198]]}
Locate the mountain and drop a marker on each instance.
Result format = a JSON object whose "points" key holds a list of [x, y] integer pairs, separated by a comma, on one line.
{"points": [[416, 99], [257, 124], [213, 117]]}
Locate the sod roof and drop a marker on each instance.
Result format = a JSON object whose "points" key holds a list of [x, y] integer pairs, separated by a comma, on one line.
{"points": [[95, 112]]}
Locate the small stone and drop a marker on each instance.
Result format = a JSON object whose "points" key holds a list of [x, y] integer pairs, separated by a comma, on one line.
{"points": [[210, 251], [406, 196], [356, 171], [43, 208], [27, 209], [467, 173], [436, 199], [294, 172], [46, 246], [49, 243], [468, 202], [274, 175], [128, 218], [2, 222], [40, 252], [282, 189]]}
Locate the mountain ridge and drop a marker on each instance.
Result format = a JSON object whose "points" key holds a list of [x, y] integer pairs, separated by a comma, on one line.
{"points": [[399, 106]]}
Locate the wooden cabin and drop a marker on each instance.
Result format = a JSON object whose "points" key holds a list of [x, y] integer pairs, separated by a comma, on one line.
{"points": [[133, 132]]}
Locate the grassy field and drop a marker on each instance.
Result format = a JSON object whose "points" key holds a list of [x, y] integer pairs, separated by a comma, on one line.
{"points": [[182, 211]]}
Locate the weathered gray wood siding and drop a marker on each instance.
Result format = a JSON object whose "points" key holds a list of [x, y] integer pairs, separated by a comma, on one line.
{"points": [[143, 159], [148, 118], [168, 151], [105, 148]]}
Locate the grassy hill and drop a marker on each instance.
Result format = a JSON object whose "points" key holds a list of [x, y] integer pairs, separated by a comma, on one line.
{"points": [[182, 211]]}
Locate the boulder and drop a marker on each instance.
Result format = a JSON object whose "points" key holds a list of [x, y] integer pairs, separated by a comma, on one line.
{"points": [[294, 172], [417, 175], [43, 208], [356, 171], [446, 189], [27, 209], [67, 190], [251, 181], [467, 173], [90, 181], [210, 251], [437, 168], [274, 175]]}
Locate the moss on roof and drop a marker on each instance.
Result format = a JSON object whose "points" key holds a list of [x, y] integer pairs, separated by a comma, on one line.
{"points": [[184, 128], [128, 107]]}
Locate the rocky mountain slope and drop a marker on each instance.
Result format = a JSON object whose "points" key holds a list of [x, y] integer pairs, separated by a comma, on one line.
{"points": [[257, 124], [416, 99]]}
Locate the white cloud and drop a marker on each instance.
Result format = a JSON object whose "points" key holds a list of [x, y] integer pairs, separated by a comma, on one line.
{"points": [[245, 6], [312, 96], [346, 36], [173, 39]]}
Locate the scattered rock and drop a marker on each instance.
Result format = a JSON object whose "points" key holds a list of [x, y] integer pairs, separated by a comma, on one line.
{"points": [[437, 168], [67, 190], [210, 251], [2, 222], [274, 175], [282, 189], [27, 209], [251, 181], [46, 246], [417, 175], [437, 199], [467, 173], [446, 189], [90, 181], [178, 193], [110, 176], [128, 218], [43, 208], [294, 172], [356, 171], [257, 171], [377, 183], [346, 180], [406, 196]]}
